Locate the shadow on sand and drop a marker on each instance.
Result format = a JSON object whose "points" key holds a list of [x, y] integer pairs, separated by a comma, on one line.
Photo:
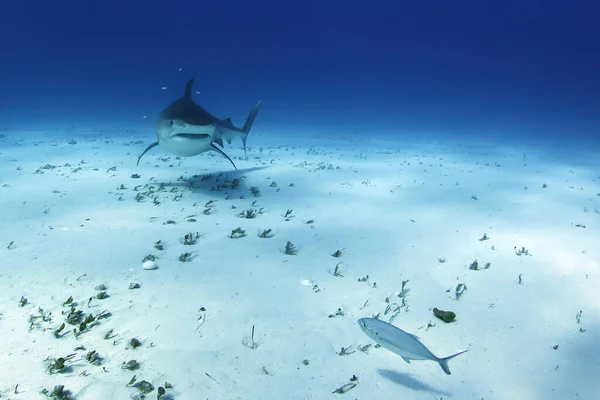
{"points": [[213, 181], [409, 382]]}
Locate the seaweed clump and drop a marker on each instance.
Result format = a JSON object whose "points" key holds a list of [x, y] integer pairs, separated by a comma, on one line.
{"points": [[446, 316]]}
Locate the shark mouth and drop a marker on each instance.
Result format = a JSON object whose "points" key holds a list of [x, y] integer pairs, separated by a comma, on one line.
{"points": [[193, 136]]}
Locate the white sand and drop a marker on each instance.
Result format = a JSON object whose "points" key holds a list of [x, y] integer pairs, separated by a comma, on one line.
{"points": [[393, 208]]}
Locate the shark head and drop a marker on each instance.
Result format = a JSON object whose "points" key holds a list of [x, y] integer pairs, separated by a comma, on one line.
{"points": [[184, 139]]}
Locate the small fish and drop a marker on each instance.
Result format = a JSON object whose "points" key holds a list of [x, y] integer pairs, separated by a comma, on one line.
{"points": [[402, 343]]}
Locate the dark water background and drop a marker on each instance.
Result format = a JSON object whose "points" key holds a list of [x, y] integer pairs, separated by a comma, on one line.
{"points": [[526, 70]]}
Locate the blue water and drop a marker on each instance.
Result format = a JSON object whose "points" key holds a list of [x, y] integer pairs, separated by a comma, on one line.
{"points": [[510, 70], [475, 92]]}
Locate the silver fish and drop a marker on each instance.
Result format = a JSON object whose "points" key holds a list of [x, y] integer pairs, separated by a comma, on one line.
{"points": [[406, 345]]}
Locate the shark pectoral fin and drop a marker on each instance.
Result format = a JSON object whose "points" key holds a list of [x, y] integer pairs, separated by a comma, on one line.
{"points": [[223, 154], [147, 148], [405, 359], [219, 141]]}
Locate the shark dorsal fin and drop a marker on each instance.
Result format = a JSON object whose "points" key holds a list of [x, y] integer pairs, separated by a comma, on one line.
{"points": [[188, 88]]}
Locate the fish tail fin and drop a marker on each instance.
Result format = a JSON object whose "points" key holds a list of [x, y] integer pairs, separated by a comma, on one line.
{"points": [[444, 361], [249, 122]]}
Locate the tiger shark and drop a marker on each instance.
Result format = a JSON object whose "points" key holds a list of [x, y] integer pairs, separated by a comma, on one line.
{"points": [[185, 129]]}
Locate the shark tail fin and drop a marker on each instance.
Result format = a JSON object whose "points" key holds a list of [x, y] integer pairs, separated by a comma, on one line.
{"points": [[249, 122], [444, 361]]}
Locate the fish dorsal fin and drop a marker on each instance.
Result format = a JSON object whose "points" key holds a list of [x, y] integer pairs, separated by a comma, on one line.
{"points": [[188, 88]]}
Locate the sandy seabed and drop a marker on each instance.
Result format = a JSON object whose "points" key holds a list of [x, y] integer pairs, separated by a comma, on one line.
{"points": [[231, 316]]}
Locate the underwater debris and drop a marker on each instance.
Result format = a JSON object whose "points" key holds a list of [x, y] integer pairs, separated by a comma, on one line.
{"points": [[255, 191], [250, 213], [149, 257], [250, 343], [345, 351], [185, 257], [266, 233], [344, 388], [93, 358], [145, 387], [237, 233], [336, 270], [522, 251], [338, 313], [102, 295], [109, 335], [446, 316], [130, 365], [134, 343], [460, 289], [59, 330], [57, 365], [59, 393], [191, 238], [288, 215], [290, 249], [475, 266], [365, 348]]}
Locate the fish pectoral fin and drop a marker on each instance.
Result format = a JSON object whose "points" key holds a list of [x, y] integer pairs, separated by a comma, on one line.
{"points": [[218, 150], [147, 148], [406, 359]]}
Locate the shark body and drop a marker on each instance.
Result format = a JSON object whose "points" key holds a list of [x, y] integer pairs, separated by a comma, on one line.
{"points": [[185, 129]]}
